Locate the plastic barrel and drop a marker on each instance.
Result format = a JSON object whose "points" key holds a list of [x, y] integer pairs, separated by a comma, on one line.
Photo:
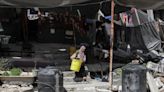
{"points": [[59, 82], [46, 80], [50, 80], [76, 65], [134, 78], [58, 75]]}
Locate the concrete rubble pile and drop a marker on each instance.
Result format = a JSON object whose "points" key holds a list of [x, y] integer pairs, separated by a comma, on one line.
{"points": [[155, 76], [14, 87]]}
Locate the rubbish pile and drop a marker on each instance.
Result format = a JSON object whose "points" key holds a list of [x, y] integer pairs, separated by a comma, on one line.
{"points": [[155, 76], [10, 87]]}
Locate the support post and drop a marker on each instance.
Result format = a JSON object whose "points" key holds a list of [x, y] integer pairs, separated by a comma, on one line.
{"points": [[111, 47]]}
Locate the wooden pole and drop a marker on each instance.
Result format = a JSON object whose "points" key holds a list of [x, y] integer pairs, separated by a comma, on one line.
{"points": [[111, 47]]}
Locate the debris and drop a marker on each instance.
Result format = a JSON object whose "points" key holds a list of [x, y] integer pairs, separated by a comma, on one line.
{"points": [[158, 82], [162, 79], [151, 82], [15, 88]]}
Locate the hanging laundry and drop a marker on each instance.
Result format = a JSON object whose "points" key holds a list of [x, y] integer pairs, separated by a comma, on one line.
{"points": [[99, 15], [124, 17], [108, 17]]}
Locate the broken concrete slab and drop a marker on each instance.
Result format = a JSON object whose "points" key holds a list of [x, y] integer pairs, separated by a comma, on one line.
{"points": [[151, 82]]}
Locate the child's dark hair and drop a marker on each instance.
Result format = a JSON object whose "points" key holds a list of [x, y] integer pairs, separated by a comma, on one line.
{"points": [[84, 44]]}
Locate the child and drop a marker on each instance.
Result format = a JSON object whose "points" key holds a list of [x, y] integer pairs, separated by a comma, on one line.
{"points": [[81, 75]]}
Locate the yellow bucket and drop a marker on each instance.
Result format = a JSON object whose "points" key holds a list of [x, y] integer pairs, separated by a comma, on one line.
{"points": [[76, 65]]}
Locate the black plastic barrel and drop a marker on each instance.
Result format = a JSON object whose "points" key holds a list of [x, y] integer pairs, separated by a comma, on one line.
{"points": [[50, 80], [58, 79], [134, 78]]}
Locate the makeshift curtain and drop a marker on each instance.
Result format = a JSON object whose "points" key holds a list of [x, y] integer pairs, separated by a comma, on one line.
{"points": [[142, 4], [145, 36]]}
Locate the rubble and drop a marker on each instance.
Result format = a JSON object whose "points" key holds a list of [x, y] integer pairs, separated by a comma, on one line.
{"points": [[15, 88], [156, 79], [152, 84]]}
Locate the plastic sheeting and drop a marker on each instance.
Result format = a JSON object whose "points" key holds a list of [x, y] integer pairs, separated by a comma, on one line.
{"points": [[142, 4], [145, 37], [39, 3], [161, 27]]}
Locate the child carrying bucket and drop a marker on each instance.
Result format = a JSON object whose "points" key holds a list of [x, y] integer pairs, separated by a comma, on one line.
{"points": [[77, 65]]}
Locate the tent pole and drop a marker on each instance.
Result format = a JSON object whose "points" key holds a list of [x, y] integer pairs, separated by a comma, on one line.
{"points": [[111, 47]]}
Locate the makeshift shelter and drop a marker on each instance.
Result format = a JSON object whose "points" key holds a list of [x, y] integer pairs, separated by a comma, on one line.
{"points": [[151, 4], [39, 3], [140, 4]]}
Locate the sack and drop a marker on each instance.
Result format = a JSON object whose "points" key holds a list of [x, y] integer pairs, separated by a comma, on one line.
{"points": [[76, 65]]}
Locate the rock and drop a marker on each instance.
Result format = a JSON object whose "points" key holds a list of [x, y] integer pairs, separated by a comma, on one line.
{"points": [[31, 86], [13, 90], [5, 85], [162, 79], [25, 89], [24, 85], [152, 66], [158, 82], [115, 87], [120, 89], [152, 84], [24, 74], [135, 61], [14, 86]]}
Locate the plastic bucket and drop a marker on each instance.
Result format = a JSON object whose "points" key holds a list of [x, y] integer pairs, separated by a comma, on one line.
{"points": [[76, 65]]}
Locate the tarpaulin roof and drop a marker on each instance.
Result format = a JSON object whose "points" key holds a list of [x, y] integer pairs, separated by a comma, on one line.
{"points": [[142, 4], [39, 3]]}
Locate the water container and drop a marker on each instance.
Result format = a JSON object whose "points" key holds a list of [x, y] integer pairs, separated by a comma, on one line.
{"points": [[50, 80], [46, 80], [58, 79], [134, 78]]}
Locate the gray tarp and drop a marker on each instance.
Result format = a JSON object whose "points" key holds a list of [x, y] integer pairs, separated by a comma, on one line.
{"points": [[39, 3], [145, 36], [142, 4]]}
